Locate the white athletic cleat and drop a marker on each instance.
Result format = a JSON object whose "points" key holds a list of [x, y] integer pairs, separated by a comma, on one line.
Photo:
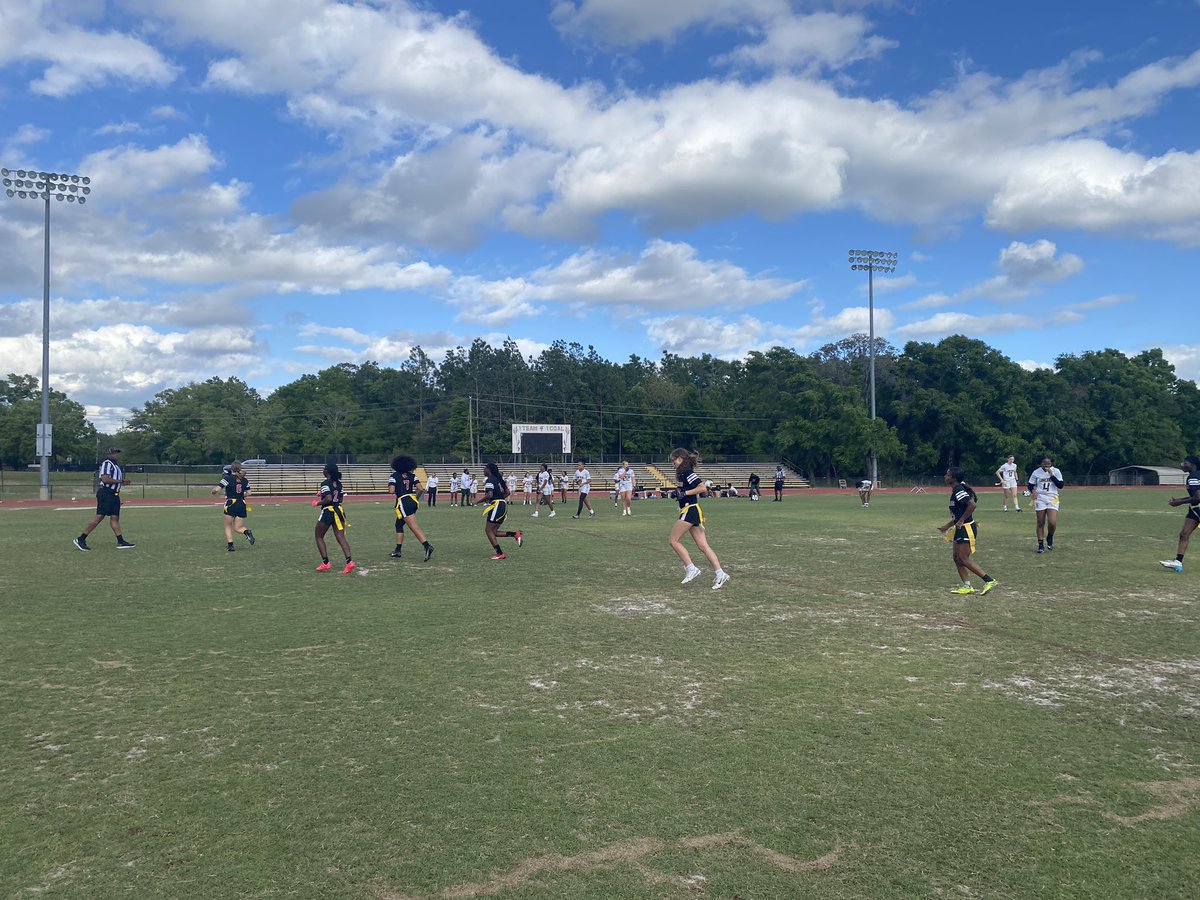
{"points": [[691, 574], [534, 516], [1173, 564], [552, 514], [720, 581]]}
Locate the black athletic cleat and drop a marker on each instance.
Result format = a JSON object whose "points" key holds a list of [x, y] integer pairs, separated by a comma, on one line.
{"points": [[249, 537], [125, 545], [428, 552], [396, 553], [229, 548], [81, 544]]}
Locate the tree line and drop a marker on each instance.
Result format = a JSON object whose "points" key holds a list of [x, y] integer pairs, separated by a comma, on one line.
{"points": [[957, 401]]}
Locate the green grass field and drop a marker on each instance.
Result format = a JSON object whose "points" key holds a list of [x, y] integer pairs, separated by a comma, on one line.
{"points": [[572, 722]]}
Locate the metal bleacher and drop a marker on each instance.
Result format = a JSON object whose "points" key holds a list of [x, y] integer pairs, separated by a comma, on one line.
{"points": [[291, 480]]}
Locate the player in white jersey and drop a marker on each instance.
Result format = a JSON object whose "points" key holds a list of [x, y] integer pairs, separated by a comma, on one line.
{"points": [[584, 478], [864, 492], [1044, 484], [1007, 475], [527, 488], [454, 489], [626, 479], [510, 482], [545, 487]]}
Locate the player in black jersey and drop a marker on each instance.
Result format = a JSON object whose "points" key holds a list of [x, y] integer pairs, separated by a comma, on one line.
{"points": [[1191, 466], [688, 489], [495, 496], [407, 490], [962, 519], [233, 482], [332, 516]]}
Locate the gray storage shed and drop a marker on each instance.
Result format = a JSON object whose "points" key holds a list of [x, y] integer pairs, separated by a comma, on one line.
{"points": [[1139, 475]]}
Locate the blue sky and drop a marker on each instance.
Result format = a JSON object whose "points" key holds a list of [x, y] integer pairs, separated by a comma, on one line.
{"points": [[284, 185]]}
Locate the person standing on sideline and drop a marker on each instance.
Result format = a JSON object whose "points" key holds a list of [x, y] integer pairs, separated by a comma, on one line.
{"points": [[584, 477], [431, 488], [332, 516], [689, 487], [564, 482], [864, 492], [453, 489], [1007, 473], [1191, 466], [233, 482], [962, 520], [545, 488], [495, 497], [752, 485], [527, 488], [510, 482], [626, 479], [780, 475], [407, 490], [1044, 484], [108, 501]]}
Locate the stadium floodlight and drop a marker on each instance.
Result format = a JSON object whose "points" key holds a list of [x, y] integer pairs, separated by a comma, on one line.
{"points": [[872, 261], [36, 185]]}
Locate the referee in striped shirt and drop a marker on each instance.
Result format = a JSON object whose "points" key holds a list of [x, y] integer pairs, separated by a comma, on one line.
{"points": [[108, 501]]}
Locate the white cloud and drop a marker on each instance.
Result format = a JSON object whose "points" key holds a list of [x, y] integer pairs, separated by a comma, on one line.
{"points": [[976, 326], [621, 22], [666, 275], [809, 43], [77, 60], [1186, 360], [81, 361], [552, 160], [1026, 268], [1093, 187], [691, 335], [440, 196]]}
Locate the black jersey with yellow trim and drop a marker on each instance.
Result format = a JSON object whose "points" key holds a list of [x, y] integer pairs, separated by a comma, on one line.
{"points": [[1192, 486], [331, 492], [495, 490], [687, 479], [235, 488], [402, 483], [961, 496]]}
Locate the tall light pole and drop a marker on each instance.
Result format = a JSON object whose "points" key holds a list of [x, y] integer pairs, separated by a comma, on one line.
{"points": [[872, 261], [30, 185]]}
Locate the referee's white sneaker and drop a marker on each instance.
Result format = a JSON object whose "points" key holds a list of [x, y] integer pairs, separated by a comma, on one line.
{"points": [[691, 574]]}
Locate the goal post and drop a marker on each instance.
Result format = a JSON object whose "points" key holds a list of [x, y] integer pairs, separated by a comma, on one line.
{"points": [[540, 439]]}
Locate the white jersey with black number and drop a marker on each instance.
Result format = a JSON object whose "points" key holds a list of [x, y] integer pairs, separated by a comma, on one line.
{"points": [[1008, 475], [624, 479], [1044, 484], [527, 483], [584, 477]]}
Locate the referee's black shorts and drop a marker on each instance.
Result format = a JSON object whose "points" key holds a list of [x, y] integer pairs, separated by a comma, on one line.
{"points": [[108, 503]]}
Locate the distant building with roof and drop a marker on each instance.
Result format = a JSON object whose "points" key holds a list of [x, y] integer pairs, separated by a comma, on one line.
{"points": [[1146, 475]]}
